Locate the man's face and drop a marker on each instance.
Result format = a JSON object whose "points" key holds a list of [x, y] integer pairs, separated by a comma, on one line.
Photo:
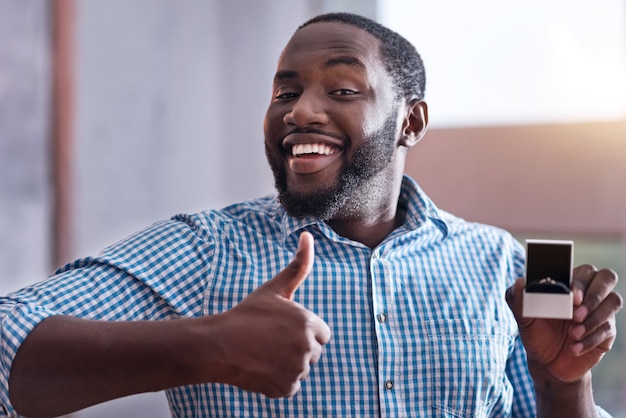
{"points": [[332, 124]]}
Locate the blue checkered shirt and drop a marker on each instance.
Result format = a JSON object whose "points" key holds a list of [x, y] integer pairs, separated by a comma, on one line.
{"points": [[420, 326]]}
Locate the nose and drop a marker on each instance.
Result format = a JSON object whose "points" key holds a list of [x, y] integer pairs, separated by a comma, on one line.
{"points": [[307, 110]]}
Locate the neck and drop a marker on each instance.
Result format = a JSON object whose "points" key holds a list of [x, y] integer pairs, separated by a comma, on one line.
{"points": [[370, 233], [372, 221]]}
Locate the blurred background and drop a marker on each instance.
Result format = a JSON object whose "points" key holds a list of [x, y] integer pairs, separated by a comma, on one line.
{"points": [[117, 113]]}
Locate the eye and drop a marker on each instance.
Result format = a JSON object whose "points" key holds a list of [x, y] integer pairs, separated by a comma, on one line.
{"points": [[285, 95], [343, 92]]}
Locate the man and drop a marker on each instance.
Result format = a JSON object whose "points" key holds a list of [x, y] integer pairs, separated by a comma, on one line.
{"points": [[210, 307]]}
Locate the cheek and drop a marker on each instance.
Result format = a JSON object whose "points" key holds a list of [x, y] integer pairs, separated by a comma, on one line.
{"points": [[371, 124], [383, 106], [374, 119], [272, 123]]}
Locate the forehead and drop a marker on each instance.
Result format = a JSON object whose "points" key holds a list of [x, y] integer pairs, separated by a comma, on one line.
{"points": [[323, 41]]}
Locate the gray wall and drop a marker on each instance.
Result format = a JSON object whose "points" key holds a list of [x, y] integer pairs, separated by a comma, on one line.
{"points": [[171, 98], [24, 126]]}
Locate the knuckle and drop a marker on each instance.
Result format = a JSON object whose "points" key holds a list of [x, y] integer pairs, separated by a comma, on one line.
{"points": [[592, 299], [284, 388], [294, 267], [618, 300], [290, 387], [589, 269], [602, 338], [609, 276], [607, 328], [273, 390], [295, 387]]}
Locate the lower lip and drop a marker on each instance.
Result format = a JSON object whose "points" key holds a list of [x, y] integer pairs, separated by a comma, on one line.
{"points": [[310, 164]]}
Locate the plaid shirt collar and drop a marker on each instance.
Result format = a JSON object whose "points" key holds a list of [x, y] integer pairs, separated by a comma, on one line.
{"points": [[418, 207]]}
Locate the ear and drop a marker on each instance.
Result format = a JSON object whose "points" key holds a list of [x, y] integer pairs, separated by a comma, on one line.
{"points": [[415, 123]]}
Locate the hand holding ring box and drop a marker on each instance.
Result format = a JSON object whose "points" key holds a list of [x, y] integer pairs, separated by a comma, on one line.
{"points": [[547, 293]]}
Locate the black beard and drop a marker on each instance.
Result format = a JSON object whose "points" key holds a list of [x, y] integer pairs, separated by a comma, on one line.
{"points": [[370, 159]]}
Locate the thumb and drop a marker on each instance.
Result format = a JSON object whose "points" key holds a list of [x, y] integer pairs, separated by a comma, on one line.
{"points": [[515, 299], [291, 277]]}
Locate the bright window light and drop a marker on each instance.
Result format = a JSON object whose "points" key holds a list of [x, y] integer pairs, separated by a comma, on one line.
{"points": [[490, 62]]}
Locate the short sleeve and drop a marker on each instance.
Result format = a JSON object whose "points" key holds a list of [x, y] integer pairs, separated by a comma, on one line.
{"points": [[157, 273]]}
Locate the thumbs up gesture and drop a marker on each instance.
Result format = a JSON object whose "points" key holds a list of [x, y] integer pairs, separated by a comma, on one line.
{"points": [[268, 342]]}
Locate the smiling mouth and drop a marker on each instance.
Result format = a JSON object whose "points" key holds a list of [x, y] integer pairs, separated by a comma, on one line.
{"points": [[299, 150], [312, 157]]}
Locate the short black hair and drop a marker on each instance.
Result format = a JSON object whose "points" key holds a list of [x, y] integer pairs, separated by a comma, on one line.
{"points": [[400, 58]]}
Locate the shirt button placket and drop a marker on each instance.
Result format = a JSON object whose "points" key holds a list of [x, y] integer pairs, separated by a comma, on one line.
{"points": [[383, 319]]}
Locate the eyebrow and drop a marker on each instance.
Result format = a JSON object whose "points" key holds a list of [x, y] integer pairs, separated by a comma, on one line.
{"points": [[285, 75], [332, 62], [344, 60]]}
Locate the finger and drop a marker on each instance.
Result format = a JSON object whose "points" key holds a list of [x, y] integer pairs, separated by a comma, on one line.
{"points": [[316, 353], [283, 392], [292, 276], [295, 388], [581, 278], [321, 331], [306, 370], [514, 298], [601, 339], [598, 288], [604, 313]]}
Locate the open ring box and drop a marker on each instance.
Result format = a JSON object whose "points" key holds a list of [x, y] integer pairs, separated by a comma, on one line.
{"points": [[547, 293]]}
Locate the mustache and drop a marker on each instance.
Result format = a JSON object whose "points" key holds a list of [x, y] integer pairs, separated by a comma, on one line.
{"points": [[314, 131]]}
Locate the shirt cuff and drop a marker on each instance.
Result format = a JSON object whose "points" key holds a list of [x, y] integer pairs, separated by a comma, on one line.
{"points": [[15, 326]]}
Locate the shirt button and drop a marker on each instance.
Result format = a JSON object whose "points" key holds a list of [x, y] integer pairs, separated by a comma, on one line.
{"points": [[376, 255], [389, 384], [382, 317]]}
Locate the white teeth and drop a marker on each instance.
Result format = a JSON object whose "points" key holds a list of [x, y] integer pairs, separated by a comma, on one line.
{"points": [[300, 149]]}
